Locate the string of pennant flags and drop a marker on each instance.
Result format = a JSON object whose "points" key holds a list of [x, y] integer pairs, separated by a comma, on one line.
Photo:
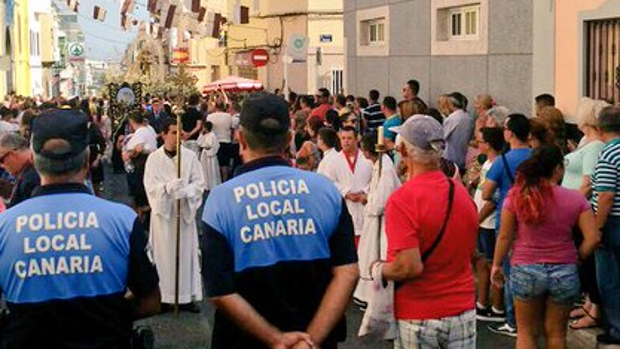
{"points": [[166, 14]]}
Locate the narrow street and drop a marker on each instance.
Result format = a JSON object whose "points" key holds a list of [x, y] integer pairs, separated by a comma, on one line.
{"points": [[193, 331]]}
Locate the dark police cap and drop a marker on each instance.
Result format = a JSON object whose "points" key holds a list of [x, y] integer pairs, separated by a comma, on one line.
{"points": [[265, 113], [68, 125]]}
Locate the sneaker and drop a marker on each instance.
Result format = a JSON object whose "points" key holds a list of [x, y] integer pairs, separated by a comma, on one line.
{"points": [[504, 329], [490, 315], [606, 339], [190, 308]]}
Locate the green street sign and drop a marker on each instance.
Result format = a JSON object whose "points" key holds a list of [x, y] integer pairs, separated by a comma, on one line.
{"points": [[76, 50]]}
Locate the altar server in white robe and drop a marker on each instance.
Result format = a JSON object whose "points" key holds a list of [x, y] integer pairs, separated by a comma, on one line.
{"points": [[163, 189], [329, 144], [351, 173], [209, 145], [373, 243]]}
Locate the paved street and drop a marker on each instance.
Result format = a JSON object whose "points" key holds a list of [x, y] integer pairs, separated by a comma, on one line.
{"points": [[193, 331]]}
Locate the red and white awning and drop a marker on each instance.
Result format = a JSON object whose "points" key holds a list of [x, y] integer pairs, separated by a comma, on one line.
{"points": [[233, 84]]}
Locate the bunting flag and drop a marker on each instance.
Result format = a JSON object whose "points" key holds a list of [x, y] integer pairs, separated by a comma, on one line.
{"points": [[73, 5], [152, 6], [124, 20], [99, 13], [210, 23], [196, 6], [217, 23], [127, 6], [202, 14], [244, 15], [170, 16], [237, 12]]}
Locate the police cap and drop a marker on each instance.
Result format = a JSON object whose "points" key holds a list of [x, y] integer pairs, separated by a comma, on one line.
{"points": [[266, 114], [68, 125]]}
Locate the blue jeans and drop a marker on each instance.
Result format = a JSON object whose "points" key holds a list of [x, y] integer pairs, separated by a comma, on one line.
{"points": [[608, 275], [558, 282]]}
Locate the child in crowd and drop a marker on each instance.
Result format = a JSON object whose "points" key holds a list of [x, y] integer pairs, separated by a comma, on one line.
{"points": [[209, 145]]}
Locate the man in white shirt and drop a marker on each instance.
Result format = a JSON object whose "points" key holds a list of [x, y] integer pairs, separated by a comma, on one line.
{"points": [[351, 173]]}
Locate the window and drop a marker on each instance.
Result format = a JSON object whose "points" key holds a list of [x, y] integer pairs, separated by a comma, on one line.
{"points": [[373, 31], [463, 23], [459, 27], [376, 31], [602, 78], [248, 73], [337, 80]]}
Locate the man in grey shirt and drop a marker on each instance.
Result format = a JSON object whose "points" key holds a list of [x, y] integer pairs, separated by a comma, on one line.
{"points": [[458, 129]]}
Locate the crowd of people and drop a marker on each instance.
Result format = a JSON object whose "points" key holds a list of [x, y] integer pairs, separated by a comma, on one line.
{"points": [[475, 213]]}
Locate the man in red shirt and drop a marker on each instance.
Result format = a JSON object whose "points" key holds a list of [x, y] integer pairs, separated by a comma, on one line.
{"points": [[323, 104], [431, 231]]}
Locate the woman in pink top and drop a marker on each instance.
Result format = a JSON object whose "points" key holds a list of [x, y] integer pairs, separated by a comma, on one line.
{"points": [[538, 217]]}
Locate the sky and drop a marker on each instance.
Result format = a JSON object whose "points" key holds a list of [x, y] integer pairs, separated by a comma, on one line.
{"points": [[106, 40]]}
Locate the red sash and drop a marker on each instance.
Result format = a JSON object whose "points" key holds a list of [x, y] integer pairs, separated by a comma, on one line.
{"points": [[351, 164]]}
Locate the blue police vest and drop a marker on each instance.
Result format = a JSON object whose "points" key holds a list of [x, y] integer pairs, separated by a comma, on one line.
{"points": [[64, 246], [275, 214]]}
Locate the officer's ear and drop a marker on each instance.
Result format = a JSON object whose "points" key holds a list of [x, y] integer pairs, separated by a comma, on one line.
{"points": [[86, 164], [243, 143]]}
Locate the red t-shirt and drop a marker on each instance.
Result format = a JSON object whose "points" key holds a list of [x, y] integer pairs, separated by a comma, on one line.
{"points": [[321, 111], [414, 215]]}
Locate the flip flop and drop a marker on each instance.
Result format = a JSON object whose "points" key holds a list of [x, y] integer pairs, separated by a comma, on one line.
{"points": [[575, 322], [583, 311]]}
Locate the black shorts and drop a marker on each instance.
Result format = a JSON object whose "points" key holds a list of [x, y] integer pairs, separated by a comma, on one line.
{"points": [[225, 154]]}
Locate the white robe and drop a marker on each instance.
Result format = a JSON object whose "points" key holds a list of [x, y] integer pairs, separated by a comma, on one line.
{"points": [[208, 159], [160, 169], [373, 242], [336, 168], [326, 163]]}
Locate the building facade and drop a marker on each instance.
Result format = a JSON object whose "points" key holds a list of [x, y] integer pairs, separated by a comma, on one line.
{"points": [[586, 62], [513, 50], [272, 26], [21, 48], [445, 44], [5, 58], [68, 71]]}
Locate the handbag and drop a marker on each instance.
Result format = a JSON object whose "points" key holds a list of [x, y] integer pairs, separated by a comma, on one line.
{"points": [[379, 318]]}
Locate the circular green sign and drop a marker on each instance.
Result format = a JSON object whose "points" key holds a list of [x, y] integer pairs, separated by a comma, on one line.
{"points": [[76, 50], [298, 43]]}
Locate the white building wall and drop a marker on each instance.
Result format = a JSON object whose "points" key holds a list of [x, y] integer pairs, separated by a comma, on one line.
{"points": [[36, 67]]}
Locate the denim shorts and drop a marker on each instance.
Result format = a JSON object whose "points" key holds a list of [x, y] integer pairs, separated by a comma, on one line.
{"points": [[558, 282], [486, 243]]}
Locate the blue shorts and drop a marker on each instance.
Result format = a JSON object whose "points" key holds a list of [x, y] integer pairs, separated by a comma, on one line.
{"points": [[558, 282], [486, 243]]}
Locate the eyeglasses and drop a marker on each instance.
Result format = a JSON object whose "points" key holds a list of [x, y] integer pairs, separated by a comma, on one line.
{"points": [[3, 157]]}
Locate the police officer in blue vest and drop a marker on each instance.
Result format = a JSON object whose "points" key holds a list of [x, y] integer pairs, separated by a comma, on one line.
{"points": [[69, 258], [280, 262]]}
